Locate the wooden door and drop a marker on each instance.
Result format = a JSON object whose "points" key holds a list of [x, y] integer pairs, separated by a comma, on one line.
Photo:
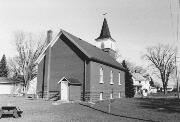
{"points": [[64, 90]]}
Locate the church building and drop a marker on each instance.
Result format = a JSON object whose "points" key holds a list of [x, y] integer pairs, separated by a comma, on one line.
{"points": [[73, 69]]}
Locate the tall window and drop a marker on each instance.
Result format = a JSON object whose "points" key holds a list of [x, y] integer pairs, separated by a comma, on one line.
{"points": [[111, 77], [119, 94], [111, 95], [101, 75], [119, 78]]}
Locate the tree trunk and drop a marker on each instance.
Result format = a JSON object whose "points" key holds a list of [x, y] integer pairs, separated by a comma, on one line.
{"points": [[164, 87], [23, 91], [163, 81], [27, 88], [165, 91]]}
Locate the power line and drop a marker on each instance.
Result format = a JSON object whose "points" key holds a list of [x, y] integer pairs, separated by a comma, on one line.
{"points": [[176, 40], [171, 17]]}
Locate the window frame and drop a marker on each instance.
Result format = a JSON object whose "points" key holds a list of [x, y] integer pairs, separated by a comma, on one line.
{"points": [[119, 95], [119, 78], [111, 95]]}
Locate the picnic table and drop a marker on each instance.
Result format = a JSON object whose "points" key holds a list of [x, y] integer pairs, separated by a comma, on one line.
{"points": [[11, 110]]}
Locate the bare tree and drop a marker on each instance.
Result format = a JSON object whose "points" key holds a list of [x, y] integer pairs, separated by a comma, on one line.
{"points": [[13, 67], [162, 58], [139, 69], [118, 55], [135, 68], [28, 49]]}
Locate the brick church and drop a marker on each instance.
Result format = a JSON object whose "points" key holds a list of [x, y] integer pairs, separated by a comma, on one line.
{"points": [[73, 69]]}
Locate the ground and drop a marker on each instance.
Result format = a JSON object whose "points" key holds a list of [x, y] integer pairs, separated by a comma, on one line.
{"points": [[124, 110]]}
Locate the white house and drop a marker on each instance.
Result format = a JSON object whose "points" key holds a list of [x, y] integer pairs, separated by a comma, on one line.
{"points": [[32, 86], [8, 86], [141, 84]]}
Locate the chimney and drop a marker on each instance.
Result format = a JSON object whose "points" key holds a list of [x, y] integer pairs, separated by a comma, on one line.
{"points": [[48, 56], [49, 36]]}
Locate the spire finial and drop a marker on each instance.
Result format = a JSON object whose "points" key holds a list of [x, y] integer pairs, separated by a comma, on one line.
{"points": [[104, 14]]}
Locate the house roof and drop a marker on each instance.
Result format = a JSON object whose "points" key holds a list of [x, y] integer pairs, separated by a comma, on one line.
{"points": [[91, 51], [138, 77], [74, 81], [105, 33], [4, 80]]}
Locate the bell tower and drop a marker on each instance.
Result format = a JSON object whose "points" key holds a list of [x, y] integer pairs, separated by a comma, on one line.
{"points": [[105, 41]]}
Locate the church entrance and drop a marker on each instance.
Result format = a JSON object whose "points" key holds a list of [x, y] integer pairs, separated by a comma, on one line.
{"points": [[70, 89], [64, 89]]}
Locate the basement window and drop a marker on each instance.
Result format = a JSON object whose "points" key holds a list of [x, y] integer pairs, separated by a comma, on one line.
{"points": [[119, 94], [111, 95], [101, 96]]}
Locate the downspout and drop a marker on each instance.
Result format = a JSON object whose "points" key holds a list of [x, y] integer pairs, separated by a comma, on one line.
{"points": [[84, 84], [49, 38], [44, 71]]}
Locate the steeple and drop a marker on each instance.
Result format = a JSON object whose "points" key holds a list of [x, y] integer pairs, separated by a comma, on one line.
{"points": [[105, 41], [105, 33]]}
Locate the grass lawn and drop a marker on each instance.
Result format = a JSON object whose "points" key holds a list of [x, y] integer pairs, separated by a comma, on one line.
{"points": [[45, 111], [124, 110], [144, 109]]}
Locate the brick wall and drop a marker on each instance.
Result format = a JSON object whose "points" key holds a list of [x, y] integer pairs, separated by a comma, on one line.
{"points": [[96, 88], [66, 62]]}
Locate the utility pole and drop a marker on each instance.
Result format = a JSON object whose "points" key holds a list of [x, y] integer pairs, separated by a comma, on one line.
{"points": [[177, 48], [176, 73], [176, 42]]}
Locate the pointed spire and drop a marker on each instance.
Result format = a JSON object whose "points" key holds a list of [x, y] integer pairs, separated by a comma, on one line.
{"points": [[105, 33]]}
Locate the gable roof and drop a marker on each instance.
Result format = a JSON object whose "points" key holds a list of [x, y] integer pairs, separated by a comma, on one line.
{"points": [[92, 52], [4, 80], [63, 79], [71, 81]]}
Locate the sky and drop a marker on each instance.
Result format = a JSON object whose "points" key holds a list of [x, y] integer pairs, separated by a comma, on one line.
{"points": [[134, 24]]}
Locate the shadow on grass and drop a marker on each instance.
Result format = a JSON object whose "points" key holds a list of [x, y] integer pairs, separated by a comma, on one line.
{"points": [[94, 108], [168, 105], [8, 116]]}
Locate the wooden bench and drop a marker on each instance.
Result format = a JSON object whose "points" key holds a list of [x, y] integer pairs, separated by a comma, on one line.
{"points": [[10, 110]]}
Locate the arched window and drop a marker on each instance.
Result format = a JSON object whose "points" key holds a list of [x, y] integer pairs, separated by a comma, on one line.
{"points": [[101, 75], [101, 96], [119, 78]]}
